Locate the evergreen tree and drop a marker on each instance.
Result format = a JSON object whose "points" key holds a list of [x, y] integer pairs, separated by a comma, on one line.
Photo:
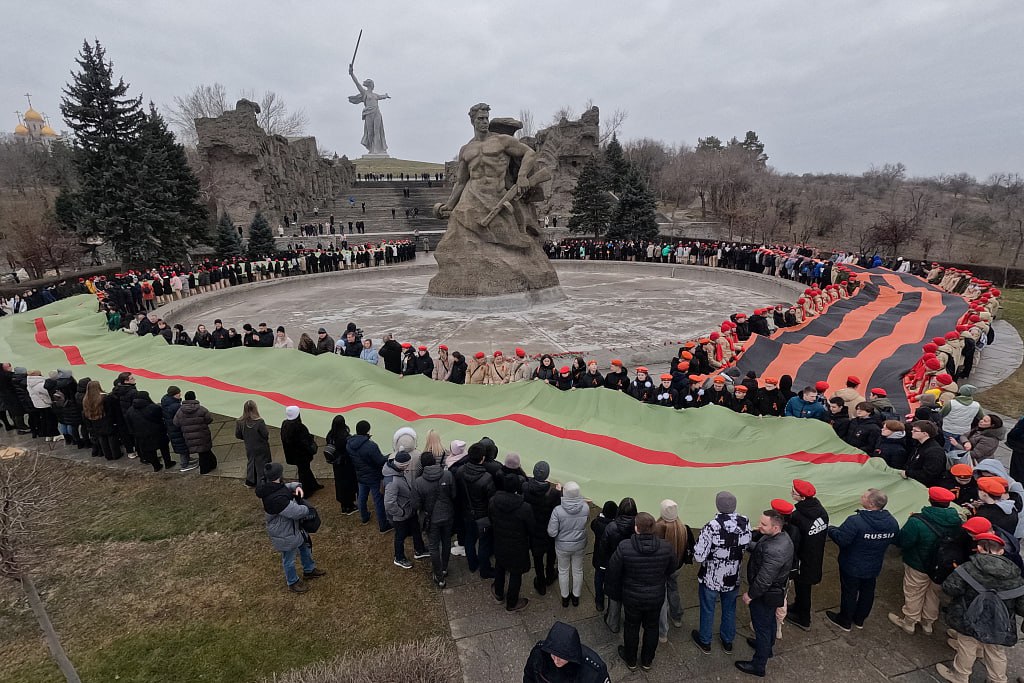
{"points": [[591, 205], [228, 242], [635, 217], [261, 238], [617, 166], [135, 188]]}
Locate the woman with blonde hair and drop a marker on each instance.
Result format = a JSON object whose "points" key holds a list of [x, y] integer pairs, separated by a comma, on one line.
{"points": [[252, 430], [679, 537], [435, 446]]}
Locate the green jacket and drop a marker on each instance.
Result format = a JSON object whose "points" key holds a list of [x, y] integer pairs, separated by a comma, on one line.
{"points": [[918, 542], [995, 572]]}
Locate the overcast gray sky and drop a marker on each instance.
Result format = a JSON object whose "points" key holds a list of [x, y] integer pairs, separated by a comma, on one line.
{"points": [[828, 86]]}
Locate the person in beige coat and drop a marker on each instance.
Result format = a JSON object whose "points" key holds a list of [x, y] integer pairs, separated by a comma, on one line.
{"points": [[501, 372], [479, 369], [522, 370], [442, 364]]}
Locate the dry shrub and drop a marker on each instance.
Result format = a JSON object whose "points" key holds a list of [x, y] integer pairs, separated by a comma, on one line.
{"points": [[434, 660]]}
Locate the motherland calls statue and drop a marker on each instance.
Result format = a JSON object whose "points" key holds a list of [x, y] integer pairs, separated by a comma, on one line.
{"points": [[492, 246], [373, 124]]}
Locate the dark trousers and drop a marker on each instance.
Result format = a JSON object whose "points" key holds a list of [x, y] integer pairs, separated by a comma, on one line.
{"points": [[307, 478], [599, 586], [110, 447], [439, 543], [511, 591], [544, 561], [479, 548], [403, 530], [857, 596], [800, 610], [634, 619], [762, 618]]}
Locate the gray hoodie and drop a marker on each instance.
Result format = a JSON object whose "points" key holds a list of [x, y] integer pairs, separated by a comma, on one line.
{"points": [[568, 523]]}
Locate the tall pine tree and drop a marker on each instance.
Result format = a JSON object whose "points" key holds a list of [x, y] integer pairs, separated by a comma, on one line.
{"points": [[261, 238], [635, 217], [617, 166], [228, 242], [135, 189], [591, 205]]}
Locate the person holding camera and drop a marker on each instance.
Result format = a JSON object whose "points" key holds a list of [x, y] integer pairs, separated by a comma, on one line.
{"points": [[285, 513]]}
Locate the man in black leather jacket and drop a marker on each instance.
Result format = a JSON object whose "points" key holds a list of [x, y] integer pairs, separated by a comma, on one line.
{"points": [[767, 573]]}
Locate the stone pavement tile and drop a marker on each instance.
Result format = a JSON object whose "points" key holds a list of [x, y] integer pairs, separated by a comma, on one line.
{"points": [[921, 676], [495, 656], [842, 662], [472, 610]]}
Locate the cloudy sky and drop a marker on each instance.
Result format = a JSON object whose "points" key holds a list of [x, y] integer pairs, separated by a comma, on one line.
{"points": [[828, 86]]}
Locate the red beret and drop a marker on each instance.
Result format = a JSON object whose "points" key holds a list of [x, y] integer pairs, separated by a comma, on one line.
{"points": [[642, 369], [682, 366], [421, 347], [705, 340], [961, 470], [718, 379], [564, 370], [944, 378], [783, 507], [932, 363], [497, 353], [951, 335], [804, 488], [696, 378], [616, 361], [479, 354], [993, 486], [995, 292], [406, 345], [938, 341], [520, 352], [741, 389], [821, 386], [990, 537], [975, 318], [977, 525], [770, 380], [931, 347], [879, 391], [442, 347], [853, 379], [714, 336], [741, 315], [937, 494], [801, 300], [686, 355], [665, 377]]}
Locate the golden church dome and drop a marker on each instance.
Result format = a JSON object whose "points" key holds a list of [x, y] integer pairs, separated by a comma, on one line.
{"points": [[20, 130], [48, 132], [33, 115]]}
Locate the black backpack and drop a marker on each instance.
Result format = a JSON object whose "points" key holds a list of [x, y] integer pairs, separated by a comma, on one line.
{"points": [[949, 554], [987, 619]]}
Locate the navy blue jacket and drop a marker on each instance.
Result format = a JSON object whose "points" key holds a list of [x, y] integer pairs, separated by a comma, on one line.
{"points": [[366, 458], [863, 539]]}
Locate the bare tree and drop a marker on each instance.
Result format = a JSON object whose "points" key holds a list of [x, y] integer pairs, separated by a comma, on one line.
{"points": [[28, 495], [34, 239], [612, 125], [208, 101], [529, 127], [566, 111]]}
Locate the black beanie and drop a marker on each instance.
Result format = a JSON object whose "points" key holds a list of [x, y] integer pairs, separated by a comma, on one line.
{"points": [[273, 471]]}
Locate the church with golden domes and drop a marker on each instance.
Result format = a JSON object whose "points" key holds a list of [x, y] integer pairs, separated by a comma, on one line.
{"points": [[33, 127]]}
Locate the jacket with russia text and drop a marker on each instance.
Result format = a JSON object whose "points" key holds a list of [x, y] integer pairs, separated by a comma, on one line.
{"points": [[863, 539]]}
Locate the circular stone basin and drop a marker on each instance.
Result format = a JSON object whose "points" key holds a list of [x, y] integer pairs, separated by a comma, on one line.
{"points": [[636, 312]]}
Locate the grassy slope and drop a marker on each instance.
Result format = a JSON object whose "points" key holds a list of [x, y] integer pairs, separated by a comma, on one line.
{"points": [[168, 579], [1007, 397]]}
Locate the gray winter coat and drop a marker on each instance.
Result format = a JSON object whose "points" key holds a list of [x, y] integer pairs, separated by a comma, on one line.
{"points": [[193, 420], [568, 524], [283, 525], [436, 491], [400, 500]]}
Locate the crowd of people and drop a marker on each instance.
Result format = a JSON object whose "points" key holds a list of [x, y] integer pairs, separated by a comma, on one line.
{"points": [[505, 521]]}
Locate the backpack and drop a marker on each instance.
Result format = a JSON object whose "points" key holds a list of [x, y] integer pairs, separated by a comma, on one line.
{"points": [[949, 553], [987, 619]]}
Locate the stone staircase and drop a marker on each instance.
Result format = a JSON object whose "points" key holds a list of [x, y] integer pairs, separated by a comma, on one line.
{"points": [[379, 197]]}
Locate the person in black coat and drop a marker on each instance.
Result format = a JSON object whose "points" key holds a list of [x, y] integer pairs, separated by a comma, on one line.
{"points": [[591, 379], [636, 576], [598, 525], [767, 575], [68, 411], [299, 449], [617, 377], [512, 526], [169, 405], [423, 363], [892, 444], [562, 658], [9, 400], [124, 391], [543, 497], [620, 528], [147, 426], [345, 483], [810, 520], [368, 461], [927, 463], [101, 412], [839, 417], [769, 399], [459, 367], [475, 487], [865, 428]]}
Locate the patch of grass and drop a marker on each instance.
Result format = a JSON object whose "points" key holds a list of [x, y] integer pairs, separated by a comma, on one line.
{"points": [[174, 580], [1007, 397]]}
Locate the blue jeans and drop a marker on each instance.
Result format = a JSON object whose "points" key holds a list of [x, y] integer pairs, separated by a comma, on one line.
{"points": [[708, 598], [378, 504], [762, 617], [305, 552]]}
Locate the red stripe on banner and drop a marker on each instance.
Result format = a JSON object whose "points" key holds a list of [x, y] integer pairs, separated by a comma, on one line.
{"points": [[72, 353], [632, 451]]}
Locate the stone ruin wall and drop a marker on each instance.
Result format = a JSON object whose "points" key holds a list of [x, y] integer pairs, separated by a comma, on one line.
{"points": [[247, 170], [565, 148]]}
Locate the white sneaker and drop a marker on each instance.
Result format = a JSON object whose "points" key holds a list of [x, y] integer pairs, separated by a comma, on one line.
{"points": [[133, 455], [49, 438], [59, 437], [458, 550]]}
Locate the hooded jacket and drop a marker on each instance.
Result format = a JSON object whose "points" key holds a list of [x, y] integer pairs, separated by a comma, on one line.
{"points": [[568, 524], [512, 525], [798, 407], [69, 413], [810, 519], [958, 414], [194, 420], [404, 439], [563, 641], [893, 450], [619, 529], [638, 570], [919, 542], [719, 549], [282, 514], [366, 458], [476, 487], [863, 539], [37, 392], [147, 425], [864, 432], [995, 572], [125, 394], [543, 498], [169, 406], [985, 442], [400, 499], [435, 489]]}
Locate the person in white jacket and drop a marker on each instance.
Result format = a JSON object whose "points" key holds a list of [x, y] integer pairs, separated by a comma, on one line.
{"points": [[42, 405], [568, 526]]}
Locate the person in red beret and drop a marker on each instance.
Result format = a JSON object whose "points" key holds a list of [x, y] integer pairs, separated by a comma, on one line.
{"points": [[424, 363], [617, 378], [988, 569], [479, 371], [641, 388], [501, 372], [443, 364], [717, 394], [742, 401], [850, 393], [591, 378], [664, 394], [521, 368], [809, 520], [563, 381], [919, 540]]}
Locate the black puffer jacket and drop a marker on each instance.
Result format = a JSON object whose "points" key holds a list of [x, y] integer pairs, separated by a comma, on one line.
{"points": [[476, 487], [512, 525], [768, 569], [543, 498], [8, 396], [366, 458], [125, 394], [810, 519], [83, 384], [21, 390], [436, 489], [619, 529], [928, 463], [69, 413], [193, 420], [864, 432], [169, 406], [146, 421], [107, 424], [637, 571]]}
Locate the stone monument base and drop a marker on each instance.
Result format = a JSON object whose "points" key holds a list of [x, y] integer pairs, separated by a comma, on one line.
{"points": [[504, 303], [376, 156]]}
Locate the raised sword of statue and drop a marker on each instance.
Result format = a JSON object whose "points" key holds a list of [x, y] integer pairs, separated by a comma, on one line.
{"points": [[356, 51]]}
